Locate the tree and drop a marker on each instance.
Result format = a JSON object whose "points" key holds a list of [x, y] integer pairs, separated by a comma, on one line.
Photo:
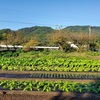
{"points": [[31, 44], [11, 38], [81, 40], [93, 42], [60, 38]]}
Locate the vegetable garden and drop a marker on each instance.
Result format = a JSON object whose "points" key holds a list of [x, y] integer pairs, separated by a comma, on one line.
{"points": [[50, 64], [51, 68], [48, 86]]}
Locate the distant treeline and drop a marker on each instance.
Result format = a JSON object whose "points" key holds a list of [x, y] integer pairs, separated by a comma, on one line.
{"points": [[47, 36], [44, 29]]}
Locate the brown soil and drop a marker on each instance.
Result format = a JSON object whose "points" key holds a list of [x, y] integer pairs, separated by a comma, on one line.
{"points": [[31, 72], [25, 95]]}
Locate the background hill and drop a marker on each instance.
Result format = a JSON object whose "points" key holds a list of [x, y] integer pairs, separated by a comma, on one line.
{"points": [[85, 29], [36, 30], [30, 30], [5, 31], [46, 30]]}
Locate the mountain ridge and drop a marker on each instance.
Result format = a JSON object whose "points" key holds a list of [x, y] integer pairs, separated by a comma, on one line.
{"points": [[45, 29]]}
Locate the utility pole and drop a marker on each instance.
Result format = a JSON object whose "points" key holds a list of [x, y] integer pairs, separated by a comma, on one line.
{"points": [[90, 31], [89, 34]]}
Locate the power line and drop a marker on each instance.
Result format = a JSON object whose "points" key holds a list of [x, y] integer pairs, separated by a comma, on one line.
{"points": [[9, 21]]}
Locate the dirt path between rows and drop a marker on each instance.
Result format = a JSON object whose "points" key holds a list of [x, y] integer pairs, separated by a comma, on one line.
{"points": [[25, 95], [31, 72]]}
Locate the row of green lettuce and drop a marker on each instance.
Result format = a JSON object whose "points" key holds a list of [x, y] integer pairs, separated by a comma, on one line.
{"points": [[48, 86], [49, 64]]}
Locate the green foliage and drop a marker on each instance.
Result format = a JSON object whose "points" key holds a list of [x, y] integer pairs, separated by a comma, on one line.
{"points": [[5, 31], [47, 86], [93, 53], [10, 53], [51, 64], [92, 47]]}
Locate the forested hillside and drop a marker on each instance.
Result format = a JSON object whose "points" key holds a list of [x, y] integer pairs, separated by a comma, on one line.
{"points": [[85, 29], [36, 30], [44, 30]]}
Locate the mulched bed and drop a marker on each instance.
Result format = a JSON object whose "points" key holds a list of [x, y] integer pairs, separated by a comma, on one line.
{"points": [[25, 75], [50, 76]]}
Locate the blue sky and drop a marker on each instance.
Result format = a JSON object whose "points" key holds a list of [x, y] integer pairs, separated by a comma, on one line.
{"points": [[16, 14]]}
